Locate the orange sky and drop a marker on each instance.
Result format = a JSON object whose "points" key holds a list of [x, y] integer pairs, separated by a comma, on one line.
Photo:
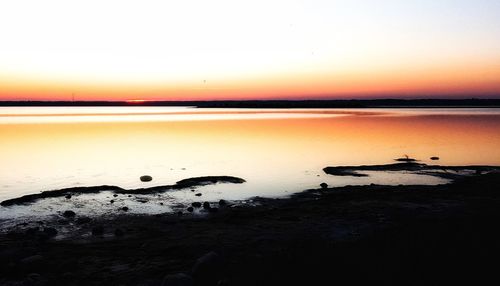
{"points": [[125, 50]]}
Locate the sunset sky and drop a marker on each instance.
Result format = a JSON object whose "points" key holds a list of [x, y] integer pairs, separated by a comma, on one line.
{"points": [[185, 50]]}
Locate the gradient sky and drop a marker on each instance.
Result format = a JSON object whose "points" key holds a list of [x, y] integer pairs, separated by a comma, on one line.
{"points": [[118, 50]]}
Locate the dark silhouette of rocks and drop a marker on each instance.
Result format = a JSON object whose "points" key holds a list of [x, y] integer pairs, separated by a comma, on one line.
{"points": [[196, 204], [323, 185], [434, 158]]}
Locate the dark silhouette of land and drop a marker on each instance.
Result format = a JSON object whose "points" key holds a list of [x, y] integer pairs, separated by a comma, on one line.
{"points": [[352, 235], [427, 103]]}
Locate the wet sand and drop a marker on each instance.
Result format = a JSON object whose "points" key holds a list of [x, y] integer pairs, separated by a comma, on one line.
{"points": [[370, 235]]}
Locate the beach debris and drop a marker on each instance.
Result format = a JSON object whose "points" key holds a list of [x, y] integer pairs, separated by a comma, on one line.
{"points": [[69, 214], [323, 185], [146, 178], [179, 279], [196, 204], [98, 230], [434, 158]]}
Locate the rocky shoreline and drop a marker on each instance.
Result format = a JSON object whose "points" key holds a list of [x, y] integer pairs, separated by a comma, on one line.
{"points": [[353, 235]]}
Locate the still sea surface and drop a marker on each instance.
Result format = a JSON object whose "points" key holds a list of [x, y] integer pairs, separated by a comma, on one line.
{"points": [[277, 151]]}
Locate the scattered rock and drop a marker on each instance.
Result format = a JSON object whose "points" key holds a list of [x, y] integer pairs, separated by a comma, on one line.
{"points": [[198, 194], [115, 195], [125, 209], [323, 185], [68, 196], [190, 209], [112, 201], [222, 203], [207, 269], [179, 279], [161, 204], [98, 230], [206, 205], [69, 214], [146, 178], [196, 204], [434, 158]]}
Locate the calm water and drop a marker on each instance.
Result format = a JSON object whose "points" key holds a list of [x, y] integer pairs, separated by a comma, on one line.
{"points": [[277, 151]]}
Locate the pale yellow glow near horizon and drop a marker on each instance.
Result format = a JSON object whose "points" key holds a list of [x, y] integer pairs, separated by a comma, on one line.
{"points": [[175, 46]]}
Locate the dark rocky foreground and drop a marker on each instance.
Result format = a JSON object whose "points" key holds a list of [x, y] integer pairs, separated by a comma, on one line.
{"points": [[367, 235]]}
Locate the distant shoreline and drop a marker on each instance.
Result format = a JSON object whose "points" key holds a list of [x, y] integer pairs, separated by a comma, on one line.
{"points": [[375, 103]]}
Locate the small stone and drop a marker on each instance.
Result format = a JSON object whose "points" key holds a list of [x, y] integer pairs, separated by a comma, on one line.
{"points": [[323, 185], [198, 194], [115, 195], [190, 209], [146, 178], [222, 203], [69, 214], [196, 204], [434, 158], [206, 205], [68, 196], [112, 201], [125, 209]]}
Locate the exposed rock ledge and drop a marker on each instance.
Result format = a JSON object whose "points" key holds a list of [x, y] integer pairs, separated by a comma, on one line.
{"points": [[182, 184]]}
